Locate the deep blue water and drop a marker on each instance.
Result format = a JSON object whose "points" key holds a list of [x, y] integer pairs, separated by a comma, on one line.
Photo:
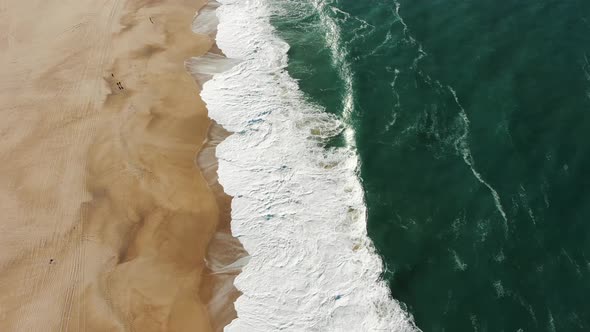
{"points": [[471, 122]]}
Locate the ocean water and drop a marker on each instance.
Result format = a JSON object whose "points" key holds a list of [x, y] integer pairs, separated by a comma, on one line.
{"points": [[470, 123], [291, 167]]}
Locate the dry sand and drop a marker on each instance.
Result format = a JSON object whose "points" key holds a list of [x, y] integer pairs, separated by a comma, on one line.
{"points": [[105, 217]]}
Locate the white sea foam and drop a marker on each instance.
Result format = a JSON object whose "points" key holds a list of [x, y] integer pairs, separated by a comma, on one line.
{"points": [[298, 208]]}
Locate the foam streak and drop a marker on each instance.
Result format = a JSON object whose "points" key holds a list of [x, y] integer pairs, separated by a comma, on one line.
{"points": [[463, 147]]}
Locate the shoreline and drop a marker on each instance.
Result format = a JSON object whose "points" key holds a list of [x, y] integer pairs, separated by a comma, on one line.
{"points": [[224, 250], [107, 218]]}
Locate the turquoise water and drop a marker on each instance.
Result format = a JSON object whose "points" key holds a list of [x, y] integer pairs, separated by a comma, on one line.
{"points": [[471, 123]]}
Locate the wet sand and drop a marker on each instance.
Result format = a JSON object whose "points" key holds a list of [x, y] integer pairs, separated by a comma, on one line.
{"points": [[106, 218]]}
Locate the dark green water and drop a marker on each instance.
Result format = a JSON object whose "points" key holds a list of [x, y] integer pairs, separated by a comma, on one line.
{"points": [[472, 126]]}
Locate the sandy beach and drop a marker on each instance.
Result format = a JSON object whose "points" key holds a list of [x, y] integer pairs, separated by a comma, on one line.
{"points": [[106, 217]]}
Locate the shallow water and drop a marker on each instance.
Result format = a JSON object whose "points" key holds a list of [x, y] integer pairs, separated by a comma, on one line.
{"points": [[470, 122]]}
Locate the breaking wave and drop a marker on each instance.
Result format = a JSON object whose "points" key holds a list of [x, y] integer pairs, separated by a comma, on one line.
{"points": [[298, 206]]}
